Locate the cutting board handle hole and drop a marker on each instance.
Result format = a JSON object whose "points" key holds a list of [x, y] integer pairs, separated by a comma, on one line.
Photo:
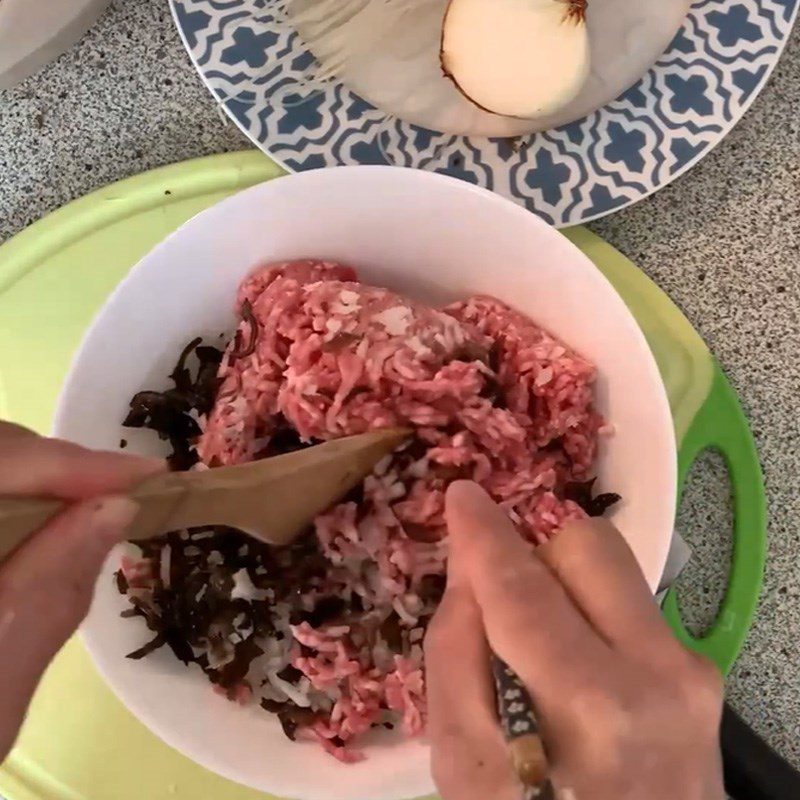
{"points": [[707, 502]]}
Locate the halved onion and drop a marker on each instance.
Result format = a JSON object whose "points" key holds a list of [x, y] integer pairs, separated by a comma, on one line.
{"points": [[518, 58]]}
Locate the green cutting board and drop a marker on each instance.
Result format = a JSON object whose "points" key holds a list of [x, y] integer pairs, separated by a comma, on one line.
{"points": [[79, 742]]}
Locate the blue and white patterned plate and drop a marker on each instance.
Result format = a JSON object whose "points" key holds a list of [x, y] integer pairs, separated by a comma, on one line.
{"points": [[687, 103]]}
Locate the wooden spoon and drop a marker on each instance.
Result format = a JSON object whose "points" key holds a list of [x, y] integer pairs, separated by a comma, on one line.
{"points": [[273, 500]]}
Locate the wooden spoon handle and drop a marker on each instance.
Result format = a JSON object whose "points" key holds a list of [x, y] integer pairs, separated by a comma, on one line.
{"points": [[160, 498], [20, 517]]}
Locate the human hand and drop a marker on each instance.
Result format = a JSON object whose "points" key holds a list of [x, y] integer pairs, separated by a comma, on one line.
{"points": [[46, 583], [625, 711]]}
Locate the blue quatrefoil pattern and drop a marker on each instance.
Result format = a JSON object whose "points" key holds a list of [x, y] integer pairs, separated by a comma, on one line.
{"points": [[258, 69]]}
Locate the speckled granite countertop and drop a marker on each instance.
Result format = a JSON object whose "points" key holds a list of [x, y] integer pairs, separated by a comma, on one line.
{"points": [[723, 241]]}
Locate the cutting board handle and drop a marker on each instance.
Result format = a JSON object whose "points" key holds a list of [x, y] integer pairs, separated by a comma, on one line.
{"points": [[722, 426]]}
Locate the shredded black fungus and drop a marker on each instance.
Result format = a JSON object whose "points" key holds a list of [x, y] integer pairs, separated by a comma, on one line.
{"points": [[235, 671], [471, 351], [495, 357], [289, 725], [290, 715], [326, 610], [169, 413], [341, 341], [422, 533], [555, 445], [306, 651], [355, 495], [158, 641], [431, 589], [121, 582], [416, 449], [392, 633], [273, 706], [450, 472], [594, 506], [493, 392], [196, 611], [284, 439], [241, 349], [290, 674]]}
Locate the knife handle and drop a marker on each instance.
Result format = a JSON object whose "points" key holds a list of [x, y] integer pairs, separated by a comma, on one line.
{"points": [[521, 728]]}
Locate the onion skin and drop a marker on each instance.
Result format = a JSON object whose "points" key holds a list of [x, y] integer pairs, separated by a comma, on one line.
{"points": [[576, 10]]}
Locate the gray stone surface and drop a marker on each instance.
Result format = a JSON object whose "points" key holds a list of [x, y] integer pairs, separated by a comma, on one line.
{"points": [[723, 241]]}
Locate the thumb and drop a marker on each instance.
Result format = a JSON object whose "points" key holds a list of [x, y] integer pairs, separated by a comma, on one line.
{"points": [[477, 530], [530, 621]]}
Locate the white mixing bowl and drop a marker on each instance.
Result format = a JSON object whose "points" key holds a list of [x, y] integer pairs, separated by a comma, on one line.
{"points": [[426, 235]]}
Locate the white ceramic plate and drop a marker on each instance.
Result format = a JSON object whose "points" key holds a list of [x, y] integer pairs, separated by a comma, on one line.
{"points": [[432, 237]]}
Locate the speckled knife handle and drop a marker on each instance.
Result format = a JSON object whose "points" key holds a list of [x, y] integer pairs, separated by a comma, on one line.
{"points": [[521, 728]]}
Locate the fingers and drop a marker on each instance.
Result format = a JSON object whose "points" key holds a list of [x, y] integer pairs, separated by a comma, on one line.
{"points": [[530, 621], [45, 590], [600, 573], [469, 757], [32, 465], [9, 429], [46, 584]]}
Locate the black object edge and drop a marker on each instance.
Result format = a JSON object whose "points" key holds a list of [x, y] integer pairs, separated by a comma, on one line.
{"points": [[753, 770]]}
